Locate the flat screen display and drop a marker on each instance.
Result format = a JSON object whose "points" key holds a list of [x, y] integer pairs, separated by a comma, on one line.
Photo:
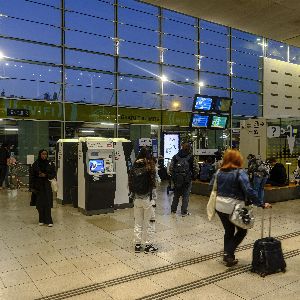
{"points": [[96, 166], [219, 122], [222, 105], [200, 121], [171, 146], [203, 103]]}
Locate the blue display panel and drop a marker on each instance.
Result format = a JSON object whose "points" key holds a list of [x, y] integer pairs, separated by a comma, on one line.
{"points": [[96, 166], [219, 122], [200, 121], [203, 103]]}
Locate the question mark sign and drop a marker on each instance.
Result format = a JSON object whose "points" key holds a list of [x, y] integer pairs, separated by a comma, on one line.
{"points": [[274, 130]]}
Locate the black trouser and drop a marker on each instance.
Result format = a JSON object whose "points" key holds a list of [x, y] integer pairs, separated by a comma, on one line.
{"points": [[45, 215], [231, 239], [3, 172]]}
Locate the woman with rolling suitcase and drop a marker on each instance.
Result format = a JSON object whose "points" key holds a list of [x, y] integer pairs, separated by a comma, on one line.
{"points": [[232, 187]]}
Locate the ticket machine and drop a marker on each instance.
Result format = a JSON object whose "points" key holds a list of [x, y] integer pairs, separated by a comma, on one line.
{"points": [[66, 164], [96, 175]]}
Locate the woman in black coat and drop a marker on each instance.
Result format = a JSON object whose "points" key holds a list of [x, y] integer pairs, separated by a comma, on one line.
{"points": [[42, 171]]}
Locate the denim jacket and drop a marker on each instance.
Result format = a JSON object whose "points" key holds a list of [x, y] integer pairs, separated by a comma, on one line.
{"points": [[234, 183]]}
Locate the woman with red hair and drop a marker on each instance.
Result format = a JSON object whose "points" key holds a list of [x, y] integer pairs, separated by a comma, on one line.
{"points": [[233, 187]]}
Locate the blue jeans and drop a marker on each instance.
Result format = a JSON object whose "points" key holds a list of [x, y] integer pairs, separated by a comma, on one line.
{"points": [[258, 186], [185, 193]]}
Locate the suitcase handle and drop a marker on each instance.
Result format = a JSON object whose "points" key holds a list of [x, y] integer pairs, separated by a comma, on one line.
{"points": [[263, 222]]}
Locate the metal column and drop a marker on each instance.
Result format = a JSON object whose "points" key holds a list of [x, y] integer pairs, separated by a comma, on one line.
{"points": [[63, 70]]}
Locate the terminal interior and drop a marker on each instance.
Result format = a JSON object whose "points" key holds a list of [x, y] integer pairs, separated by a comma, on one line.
{"points": [[93, 82]]}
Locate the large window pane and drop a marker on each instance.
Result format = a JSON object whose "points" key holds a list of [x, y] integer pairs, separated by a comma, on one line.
{"points": [[89, 42], [246, 85], [136, 5], [213, 65], [247, 46], [102, 9], [214, 52], [179, 74], [88, 60], [171, 88], [213, 26], [138, 99], [214, 92], [21, 50], [134, 34], [277, 50], [138, 68], [137, 84], [28, 30], [139, 51], [178, 103], [89, 87], [246, 59], [181, 44], [179, 59], [214, 80], [295, 55], [245, 104], [137, 18], [24, 9], [214, 38], [23, 80], [89, 24], [247, 72]]}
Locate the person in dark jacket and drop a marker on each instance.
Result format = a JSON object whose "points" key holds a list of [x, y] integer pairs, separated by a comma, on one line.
{"points": [[233, 187], [183, 178], [4, 156], [278, 176], [41, 172]]}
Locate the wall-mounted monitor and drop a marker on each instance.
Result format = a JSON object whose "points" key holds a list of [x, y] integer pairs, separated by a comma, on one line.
{"points": [[222, 105], [96, 166], [203, 103], [219, 122], [200, 121]]}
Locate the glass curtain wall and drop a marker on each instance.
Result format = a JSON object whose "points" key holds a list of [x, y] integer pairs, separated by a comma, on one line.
{"points": [[124, 53]]}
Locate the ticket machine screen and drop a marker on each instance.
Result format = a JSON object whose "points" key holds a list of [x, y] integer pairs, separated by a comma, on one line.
{"points": [[96, 166]]}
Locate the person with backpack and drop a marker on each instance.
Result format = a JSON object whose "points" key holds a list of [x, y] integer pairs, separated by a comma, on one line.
{"points": [[183, 169], [260, 172], [142, 179], [278, 175], [207, 170]]}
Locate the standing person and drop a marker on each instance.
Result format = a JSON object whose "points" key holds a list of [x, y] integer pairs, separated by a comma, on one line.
{"points": [[233, 187], [183, 169], [41, 172], [141, 184], [278, 175], [260, 171], [4, 156]]}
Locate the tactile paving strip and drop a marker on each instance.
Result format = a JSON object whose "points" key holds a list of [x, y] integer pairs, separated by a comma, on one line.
{"points": [[128, 278]]}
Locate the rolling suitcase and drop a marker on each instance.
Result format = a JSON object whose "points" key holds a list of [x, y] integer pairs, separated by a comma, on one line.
{"points": [[267, 257]]}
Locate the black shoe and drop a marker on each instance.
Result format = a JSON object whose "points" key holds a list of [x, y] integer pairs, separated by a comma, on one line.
{"points": [[229, 260], [173, 211], [150, 249], [138, 248], [185, 214]]}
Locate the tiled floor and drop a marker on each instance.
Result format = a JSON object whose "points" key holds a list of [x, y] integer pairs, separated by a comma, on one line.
{"points": [[81, 251]]}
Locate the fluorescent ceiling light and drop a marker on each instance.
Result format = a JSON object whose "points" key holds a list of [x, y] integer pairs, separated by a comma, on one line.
{"points": [[11, 129], [88, 131], [107, 124]]}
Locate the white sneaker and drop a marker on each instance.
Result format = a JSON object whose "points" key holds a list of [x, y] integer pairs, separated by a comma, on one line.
{"points": [[41, 224], [50, 225]]}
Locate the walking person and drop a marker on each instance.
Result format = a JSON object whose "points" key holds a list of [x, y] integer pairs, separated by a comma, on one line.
{"points": [[141, 185], [183, 170], [4, 156], [233, 187], [41, 172]]}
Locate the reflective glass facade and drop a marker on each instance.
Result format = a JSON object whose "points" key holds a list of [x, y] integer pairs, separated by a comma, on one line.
{"points": [[116, 52]]}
